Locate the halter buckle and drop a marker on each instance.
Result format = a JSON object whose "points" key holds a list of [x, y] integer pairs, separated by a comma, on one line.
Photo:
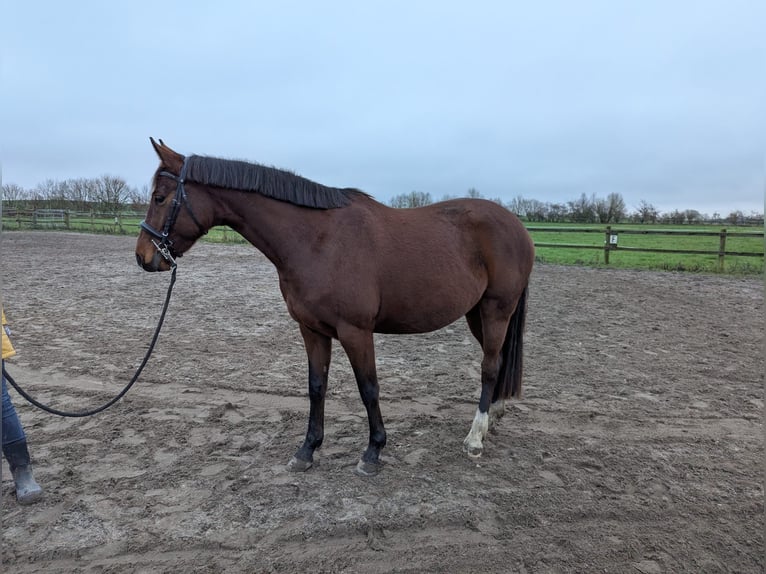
{"points": [[164, 250]]}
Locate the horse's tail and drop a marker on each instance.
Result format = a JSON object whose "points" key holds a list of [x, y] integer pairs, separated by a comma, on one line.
{"points": [[512, 356]]}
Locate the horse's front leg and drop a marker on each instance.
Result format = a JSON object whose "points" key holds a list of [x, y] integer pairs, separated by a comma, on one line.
{"points": [[318, 349], [359, 347]]}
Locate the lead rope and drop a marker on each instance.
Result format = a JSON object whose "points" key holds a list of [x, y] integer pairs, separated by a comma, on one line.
{"points": [[125, 390]]}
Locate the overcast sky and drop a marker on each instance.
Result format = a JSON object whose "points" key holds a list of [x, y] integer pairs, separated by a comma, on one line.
{"points": [[662, 101]]}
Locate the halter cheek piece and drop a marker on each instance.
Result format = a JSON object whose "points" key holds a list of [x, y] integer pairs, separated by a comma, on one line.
{"points": [[165, 245]]}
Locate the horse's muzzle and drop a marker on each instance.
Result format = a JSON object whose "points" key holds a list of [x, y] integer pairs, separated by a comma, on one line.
{"points": [[155, 264]]}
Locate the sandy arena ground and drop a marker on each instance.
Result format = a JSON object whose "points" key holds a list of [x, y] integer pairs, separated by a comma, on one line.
{"points": [[638, 446]]}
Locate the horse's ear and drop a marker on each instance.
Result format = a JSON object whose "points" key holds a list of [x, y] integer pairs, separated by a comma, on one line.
{"points": [[168, 157]]}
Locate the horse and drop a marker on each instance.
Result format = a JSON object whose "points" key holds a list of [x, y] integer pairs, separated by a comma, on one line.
{"points": [[350, 266]]}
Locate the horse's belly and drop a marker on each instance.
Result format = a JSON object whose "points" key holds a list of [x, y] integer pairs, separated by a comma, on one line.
{"points": [[418, 303], [422, 318]]}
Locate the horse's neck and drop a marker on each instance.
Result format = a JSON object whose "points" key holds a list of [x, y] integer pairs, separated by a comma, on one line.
{"points": [[272, 226]]}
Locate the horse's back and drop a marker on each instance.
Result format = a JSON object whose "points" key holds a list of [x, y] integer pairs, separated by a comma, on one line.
{"points": [[506, 249], [434, 263], [472, 228]]}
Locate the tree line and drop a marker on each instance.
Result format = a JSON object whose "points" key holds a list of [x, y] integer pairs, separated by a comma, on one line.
{"points": [[105, 194], [590, 209], [112, 195]]}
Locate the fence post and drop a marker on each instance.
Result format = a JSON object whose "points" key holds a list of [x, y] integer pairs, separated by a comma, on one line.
{"points": [[66, 219], [607, 244], [721, 250]]}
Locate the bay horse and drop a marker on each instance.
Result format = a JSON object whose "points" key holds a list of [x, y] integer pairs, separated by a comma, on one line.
{"points": [[349, 267]]}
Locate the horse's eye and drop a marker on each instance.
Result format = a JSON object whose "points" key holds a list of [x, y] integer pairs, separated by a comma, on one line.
{"points": [[159, 199]]}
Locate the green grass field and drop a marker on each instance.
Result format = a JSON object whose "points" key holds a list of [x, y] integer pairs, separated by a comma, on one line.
{"points": [[577, 235], [570, 234]]}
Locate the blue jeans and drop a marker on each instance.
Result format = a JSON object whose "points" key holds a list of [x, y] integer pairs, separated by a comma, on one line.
{"points": [[12, 429]]}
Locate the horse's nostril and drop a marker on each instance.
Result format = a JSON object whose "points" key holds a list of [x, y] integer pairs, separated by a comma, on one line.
{"points": [[139, 260]]}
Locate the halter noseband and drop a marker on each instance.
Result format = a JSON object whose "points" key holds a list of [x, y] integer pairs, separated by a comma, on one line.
{"points": [[180, 198]]}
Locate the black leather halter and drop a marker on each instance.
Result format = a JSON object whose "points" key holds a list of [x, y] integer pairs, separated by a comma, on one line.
{"points": [[165, 245]]}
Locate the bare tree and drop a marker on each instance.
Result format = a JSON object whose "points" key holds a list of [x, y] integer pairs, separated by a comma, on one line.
{"points": [[583, 210], [59, 195], [736, 217], [647, 213], [518, 205], [81, 192], [601, 207], [12, 194], [616, 208], [139, 200], [675, 217], [41, 194], [412, 199], [557, 212], [111, 193], [693, 216], [536, 210], [46, 190], [474, 193], [529, 209]]}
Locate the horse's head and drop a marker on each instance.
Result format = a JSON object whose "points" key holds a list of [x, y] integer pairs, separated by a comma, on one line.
{"points": [[170, 227]]}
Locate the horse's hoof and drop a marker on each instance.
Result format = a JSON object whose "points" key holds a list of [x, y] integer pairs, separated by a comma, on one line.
{"points": [[367, 468], [298, 465], [473, 451]]}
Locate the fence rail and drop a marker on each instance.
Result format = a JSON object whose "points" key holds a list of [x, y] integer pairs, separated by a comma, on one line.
{"points": [[65, 219], [128, 223], [611, 241]]}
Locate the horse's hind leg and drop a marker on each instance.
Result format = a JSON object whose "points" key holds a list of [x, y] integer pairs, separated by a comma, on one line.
{"points": [[494, 318], [473, 318], [318, 349], [359, 347]]}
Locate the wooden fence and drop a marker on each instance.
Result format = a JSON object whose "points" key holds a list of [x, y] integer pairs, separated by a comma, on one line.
{"points": [[611, 241], [128, 224], [64, 219]]}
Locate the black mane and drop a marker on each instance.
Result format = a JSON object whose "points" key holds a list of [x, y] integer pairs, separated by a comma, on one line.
{"points": [[268, 181]]}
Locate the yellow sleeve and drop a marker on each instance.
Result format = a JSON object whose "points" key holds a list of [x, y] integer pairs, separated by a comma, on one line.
{"points": [[8, 350]]}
